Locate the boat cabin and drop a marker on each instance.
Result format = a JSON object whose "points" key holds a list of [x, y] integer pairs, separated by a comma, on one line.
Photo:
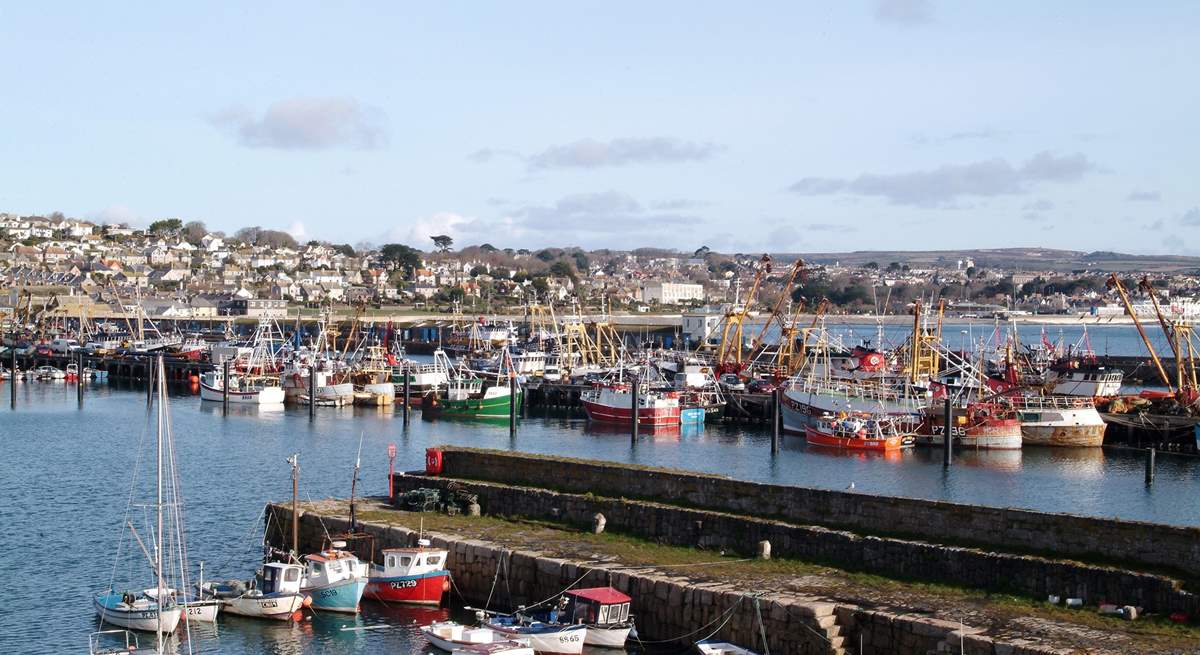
{"points": [[330, 566], [598, 606], [280, 578], [411, 561]]}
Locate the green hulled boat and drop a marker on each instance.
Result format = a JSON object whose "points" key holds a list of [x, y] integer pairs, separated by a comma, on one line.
{"points": [[471, 398]]}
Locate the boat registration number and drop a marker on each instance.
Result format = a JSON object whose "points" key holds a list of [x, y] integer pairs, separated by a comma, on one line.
{"points": [[402, 584]]}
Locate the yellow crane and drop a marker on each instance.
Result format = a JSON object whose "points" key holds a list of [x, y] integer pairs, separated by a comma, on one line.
{"points": [[729, 354]]}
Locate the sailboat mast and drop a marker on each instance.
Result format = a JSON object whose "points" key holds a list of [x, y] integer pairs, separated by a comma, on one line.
{"points": [[158, 537]]}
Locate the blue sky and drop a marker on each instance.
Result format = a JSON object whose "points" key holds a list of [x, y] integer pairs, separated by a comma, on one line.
{"points": [[742, 126]]}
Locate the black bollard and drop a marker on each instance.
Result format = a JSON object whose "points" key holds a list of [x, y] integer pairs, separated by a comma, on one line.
{"points": [[776, 417], [12, 369], [947, 431], [512, 405], [407, 391], [312, 392], [634, 390], [1149, 466], [225, 387]]}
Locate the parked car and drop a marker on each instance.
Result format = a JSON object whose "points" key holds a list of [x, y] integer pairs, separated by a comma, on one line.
{"points": [[762, 386], [42, 349], [731, 382]]}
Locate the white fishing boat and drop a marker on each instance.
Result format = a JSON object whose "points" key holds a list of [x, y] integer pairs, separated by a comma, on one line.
{"points": [[273, 594], [112, 642], [545, 638], [707, 647], [605, 612], [243, 389], [451, 636], [1059, 421]]}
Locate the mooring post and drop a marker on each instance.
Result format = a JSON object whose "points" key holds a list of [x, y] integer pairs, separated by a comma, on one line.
{"points": [[312, 391], [1149, 466], [12, 369], [512, 404], [776, 417], [149, 380], [946, 432], [225, 387], [634, 392], [79, 380], [407, 391]]}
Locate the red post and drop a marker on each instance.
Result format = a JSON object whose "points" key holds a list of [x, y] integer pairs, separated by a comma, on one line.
{"points": [[391, 468]]}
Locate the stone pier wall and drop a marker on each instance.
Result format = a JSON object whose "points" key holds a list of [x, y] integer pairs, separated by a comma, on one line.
{"points": [[1127, 543], [1026, 575], [666, 608]]}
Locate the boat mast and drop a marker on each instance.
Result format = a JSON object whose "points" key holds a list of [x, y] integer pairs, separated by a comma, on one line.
{"points": [[158, 537], [294, 460]]}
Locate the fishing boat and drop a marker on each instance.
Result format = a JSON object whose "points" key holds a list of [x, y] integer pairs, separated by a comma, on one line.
{"points": [[410, 575], [243, 389], [422, 378], [613, 403], [545, 638], [707, 647], [1059, 421], [195, 609], [806, 401], [474, 398], [112, 642], [154, 610], [451, 636], [975, 425], [274, 593], [50, 373], [868, 432], [605, 612], [335, 579]]}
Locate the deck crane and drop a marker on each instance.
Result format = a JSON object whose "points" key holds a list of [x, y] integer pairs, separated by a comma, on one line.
{"points": [[1179, 337], [1115, 283], [777, 314], [729, 354], [790, 359]]}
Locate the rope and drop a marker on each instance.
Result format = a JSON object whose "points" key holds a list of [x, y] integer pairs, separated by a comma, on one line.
{"points": [[762, 628], [727, 615]]}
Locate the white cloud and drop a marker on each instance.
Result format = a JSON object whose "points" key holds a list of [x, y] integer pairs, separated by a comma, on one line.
{"points": [[941, 186], [590, 153], [904, 12], [300, 233], [306, 124], [1143, 196]]}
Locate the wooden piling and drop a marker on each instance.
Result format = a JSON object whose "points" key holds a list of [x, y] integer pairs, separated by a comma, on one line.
{"points": [[1149, 466], [947, 430], [407, 392], [512, 404], [776, 418], [634, 389], [312, 391], [225, 387]]}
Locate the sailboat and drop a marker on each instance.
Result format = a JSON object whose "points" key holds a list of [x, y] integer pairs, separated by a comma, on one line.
{"points": [[157, 609]]}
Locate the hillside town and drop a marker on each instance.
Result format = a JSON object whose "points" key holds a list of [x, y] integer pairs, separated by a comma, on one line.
{"points": [[175, 270]]}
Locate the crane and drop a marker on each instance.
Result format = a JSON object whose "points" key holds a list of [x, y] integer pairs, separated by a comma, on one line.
{"points": [[729, 354]]}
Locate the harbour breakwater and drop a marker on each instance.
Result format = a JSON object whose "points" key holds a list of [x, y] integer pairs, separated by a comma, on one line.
{"points": [[668, 607], [1111, 542]]}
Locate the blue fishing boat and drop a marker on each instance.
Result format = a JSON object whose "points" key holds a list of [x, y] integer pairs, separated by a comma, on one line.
{"points": [[334, 579], [545, 638]]}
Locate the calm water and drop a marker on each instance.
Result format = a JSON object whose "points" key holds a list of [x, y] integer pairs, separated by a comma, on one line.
{"points": [[66, 478]]}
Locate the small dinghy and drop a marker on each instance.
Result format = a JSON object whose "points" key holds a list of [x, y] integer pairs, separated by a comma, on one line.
{"points": [[545, 638], [453, 637], [707, 647]]}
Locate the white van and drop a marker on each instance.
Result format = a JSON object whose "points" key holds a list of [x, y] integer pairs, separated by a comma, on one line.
{"points": [[63, 346]]}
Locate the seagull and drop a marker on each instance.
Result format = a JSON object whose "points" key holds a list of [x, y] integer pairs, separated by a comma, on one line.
{"points": [[851, 487]]}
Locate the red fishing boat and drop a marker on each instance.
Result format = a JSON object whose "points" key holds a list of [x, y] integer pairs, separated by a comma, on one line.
{"points": [[613, 403], [859, 432], [410, 575]]}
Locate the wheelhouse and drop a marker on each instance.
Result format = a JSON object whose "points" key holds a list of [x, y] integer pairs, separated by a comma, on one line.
{"points": [[598, 606]]}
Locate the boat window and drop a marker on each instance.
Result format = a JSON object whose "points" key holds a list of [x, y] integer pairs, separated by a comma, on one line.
{"points": [[316, 567], [405, 561], [391, 561], [624, 612], [291, 575], [603, 614], [434, 560]]}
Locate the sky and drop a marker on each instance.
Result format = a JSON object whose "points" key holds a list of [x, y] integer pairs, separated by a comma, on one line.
{"points": [[746, 127]]}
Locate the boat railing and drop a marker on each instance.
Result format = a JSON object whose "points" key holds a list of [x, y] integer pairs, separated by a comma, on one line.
{"points": [[856, 389], [1051, 402]]}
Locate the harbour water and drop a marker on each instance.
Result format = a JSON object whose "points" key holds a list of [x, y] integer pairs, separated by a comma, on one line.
{"points": [[66, 475]]}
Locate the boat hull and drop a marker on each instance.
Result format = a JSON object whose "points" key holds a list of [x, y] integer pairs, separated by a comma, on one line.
{"points": [[995, 435], [279, 608], [263, 396], [607, 637], [341, 596], [801, 408], [426, 589], [647, 416], [475, 407], [202, 611], [108, 608], [1075, 436], [568, 640], [819, 438]]}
